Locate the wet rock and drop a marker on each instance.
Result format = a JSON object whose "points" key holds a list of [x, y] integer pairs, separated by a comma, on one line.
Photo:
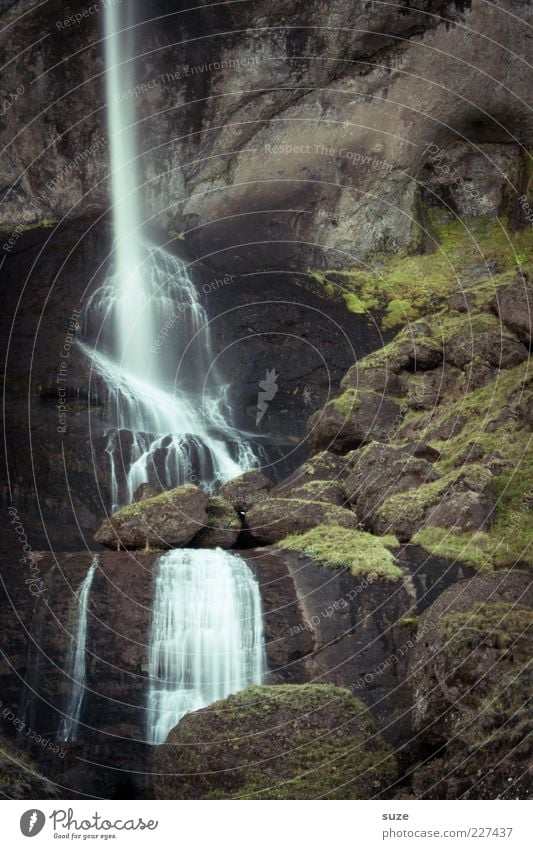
{"points": [[248, 489], [223, 525], [448, 428], [276, 518], [304, 738], [146, 490], [357, 417], [169, 520]]}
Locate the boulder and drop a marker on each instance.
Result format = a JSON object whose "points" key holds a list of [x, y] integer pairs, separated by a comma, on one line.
{"points": [[493, 347], [324, 466], [277, 742], [354, 419], [379, 471], [331, 492], [223, 525], [169, 520], [146, 490], [381, 380], [248, 489], [471, 683], [514, 305], [272, 520], [463, 502]]}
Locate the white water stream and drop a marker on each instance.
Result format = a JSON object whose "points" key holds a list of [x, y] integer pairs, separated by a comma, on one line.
{"points": [[207, 635]]}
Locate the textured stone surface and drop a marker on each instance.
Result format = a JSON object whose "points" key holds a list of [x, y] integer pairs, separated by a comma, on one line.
{"points": [[276, 518], [280, 742], [169, 520]]}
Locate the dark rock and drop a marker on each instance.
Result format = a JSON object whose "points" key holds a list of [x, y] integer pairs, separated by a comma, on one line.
{"points": [[514, 305], [493, 348], [276, 518], [426, 389], [462, 502], [463, 301], [324, 466], [470, 680], [247, 490], [214, 753], [380, 380], [448, 428], [330, 491], [380, 471], [146, 490], [169, 520], [223, 525], [357, 417]]}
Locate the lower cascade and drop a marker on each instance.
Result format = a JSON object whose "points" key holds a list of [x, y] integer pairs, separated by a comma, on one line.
{"points": [[76, 661], [206, 637]]}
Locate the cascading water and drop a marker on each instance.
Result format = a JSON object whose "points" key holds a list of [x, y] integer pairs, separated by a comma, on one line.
{"points": [[169, 418], [76, 662], [206, 638]]}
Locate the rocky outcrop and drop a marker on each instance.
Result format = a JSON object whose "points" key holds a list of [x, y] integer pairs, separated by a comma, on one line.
{"points": [[462, 501], [470, 683], [379, 471], [276, 518], [247, 490], [354, 419], [310, 741], [331, 492], [223, 525], [169, 520], [514, 305]]}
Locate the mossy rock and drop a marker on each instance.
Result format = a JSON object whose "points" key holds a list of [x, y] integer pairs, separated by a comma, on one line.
{"points": [[277, 742], [223, 525], [277, 518], [341, 548], [330, 491], [169, 520]]}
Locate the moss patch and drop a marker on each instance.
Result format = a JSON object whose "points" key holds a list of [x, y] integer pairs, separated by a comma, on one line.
{"points": [[138, 508], [341, 548], [278, 742], [405, 287]]}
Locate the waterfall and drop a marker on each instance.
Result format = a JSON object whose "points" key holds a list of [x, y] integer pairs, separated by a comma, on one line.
{"points": [[147, 334], [206, 636], [76, 662]]}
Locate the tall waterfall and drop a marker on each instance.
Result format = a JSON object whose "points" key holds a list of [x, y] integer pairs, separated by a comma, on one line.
{"points": [[207, 635], [76, 661], [147, 334]]}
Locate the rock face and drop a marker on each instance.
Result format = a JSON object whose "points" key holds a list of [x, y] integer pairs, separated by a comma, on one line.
{"points": [[247, 490], [276, 518], [463, 501], [354, 419], [330, 491], [223, 525], [310, 741], [514, 305], [470, 682], [380, 62], [169, 520], [380, 471]]}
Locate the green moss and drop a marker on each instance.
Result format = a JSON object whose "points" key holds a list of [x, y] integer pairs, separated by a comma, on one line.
{"points": [[347, 403], [405, 287], [499, 625], [136, 509], [280, 742], [340, 548], [353, 303], [413, 504]]}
